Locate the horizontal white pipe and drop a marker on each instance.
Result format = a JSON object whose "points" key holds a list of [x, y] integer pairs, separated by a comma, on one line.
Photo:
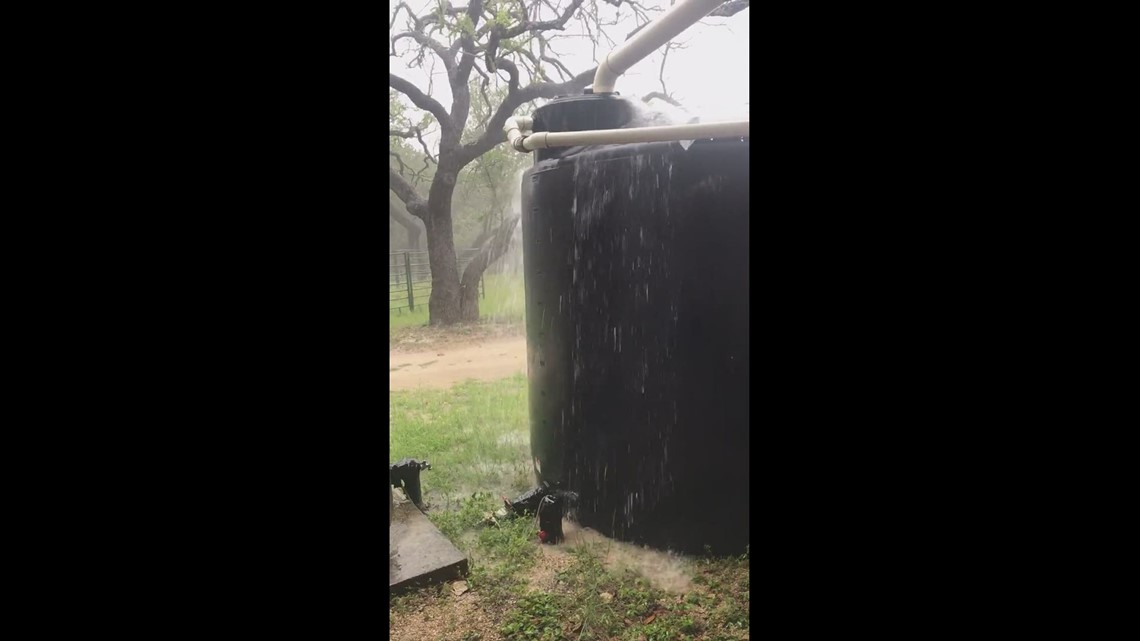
{"points": [[514, 127], [544, 139], [676, 19]]}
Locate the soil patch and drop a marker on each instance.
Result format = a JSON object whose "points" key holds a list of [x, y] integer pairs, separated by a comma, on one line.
{"points": [[447, 364]]}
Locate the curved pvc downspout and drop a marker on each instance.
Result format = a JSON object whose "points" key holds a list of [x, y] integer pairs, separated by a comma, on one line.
{"points": [[676, 19]]}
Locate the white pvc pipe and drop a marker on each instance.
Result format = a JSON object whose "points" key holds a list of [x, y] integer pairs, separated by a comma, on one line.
{"points": [[676, 19], [545, 139], [515, 126]]}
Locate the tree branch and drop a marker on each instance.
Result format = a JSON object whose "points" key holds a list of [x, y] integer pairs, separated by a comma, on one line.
{"points": [[563, 71], [557, 24], [512, 71], [417, 133], [483, 92], [415, 204], [423, 39], [729, 9], [410, 224], [466, 61], [411, 14], [660, 96], [434, 19], [494, 135], [423, 101], [399, 160], [427, 152], [536, 70], [661, 75]]}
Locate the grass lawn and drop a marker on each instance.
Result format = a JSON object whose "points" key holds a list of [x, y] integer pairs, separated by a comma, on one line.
{"points": [[475, 435], [503, 303], [597, 604], [477, 439]]}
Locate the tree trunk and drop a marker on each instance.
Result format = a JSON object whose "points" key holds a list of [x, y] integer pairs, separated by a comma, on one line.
{"points": [[443, 305], [469, 302], [488, 253]]}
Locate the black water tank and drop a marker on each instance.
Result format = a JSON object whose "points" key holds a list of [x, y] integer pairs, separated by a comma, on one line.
{"points": [[636, 271]]}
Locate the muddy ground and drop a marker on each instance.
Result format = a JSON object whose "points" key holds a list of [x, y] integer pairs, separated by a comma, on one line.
{"points": [[445, 364]]}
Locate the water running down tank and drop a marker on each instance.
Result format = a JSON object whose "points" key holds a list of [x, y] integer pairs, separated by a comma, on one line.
{"points": [[636, 274]]}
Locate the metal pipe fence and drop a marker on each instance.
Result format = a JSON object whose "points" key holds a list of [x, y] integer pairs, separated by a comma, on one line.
{"points": [[409, 278]]}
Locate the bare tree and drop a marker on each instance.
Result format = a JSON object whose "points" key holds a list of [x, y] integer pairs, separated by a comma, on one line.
{"points": [[486, 37]]}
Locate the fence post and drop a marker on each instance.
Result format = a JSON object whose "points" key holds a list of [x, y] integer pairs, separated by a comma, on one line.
{"points": [[408, 271]]}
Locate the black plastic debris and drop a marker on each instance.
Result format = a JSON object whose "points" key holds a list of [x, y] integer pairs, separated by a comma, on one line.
{"points": [[405, 474], [529, 502]]}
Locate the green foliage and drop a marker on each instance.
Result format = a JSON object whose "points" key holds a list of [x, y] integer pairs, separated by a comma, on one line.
{"points": [[395, 106], [536, 617], [464, 25]]}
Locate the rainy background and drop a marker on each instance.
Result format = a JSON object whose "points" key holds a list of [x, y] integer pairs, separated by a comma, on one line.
{"points": [[459, 390]]}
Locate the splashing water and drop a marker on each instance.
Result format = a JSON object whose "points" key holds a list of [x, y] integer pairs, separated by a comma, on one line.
{"points": [[658, 115], [507, 270], [512, 261], [665, 570]]}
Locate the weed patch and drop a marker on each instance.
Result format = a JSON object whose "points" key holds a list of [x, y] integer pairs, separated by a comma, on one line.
{"points": [[593, 603]]}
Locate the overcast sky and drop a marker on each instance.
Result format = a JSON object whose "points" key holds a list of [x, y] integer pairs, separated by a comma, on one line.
{"points": [[709, 76]]}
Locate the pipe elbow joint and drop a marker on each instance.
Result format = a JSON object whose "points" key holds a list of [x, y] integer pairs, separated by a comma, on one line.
{"points": [[514, 128], [605, 77]]}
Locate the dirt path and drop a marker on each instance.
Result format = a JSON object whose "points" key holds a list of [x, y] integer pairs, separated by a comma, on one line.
{"points": [[447, 365]]}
